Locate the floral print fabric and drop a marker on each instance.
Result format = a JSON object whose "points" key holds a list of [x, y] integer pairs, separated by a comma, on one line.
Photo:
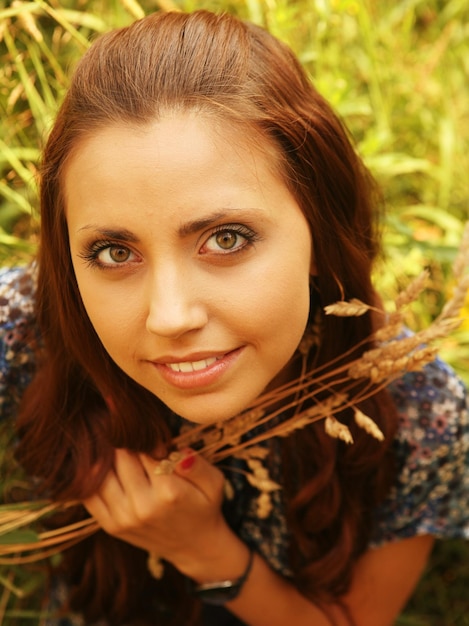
{"points": [[17, 340], [431, 494]]}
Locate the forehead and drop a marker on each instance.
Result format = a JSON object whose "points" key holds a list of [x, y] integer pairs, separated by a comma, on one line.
{"points": [[185, 162], [172, 133]]}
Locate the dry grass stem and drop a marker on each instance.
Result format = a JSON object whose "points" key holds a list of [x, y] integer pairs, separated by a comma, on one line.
{"points": [[13, 519], [51, 540]]}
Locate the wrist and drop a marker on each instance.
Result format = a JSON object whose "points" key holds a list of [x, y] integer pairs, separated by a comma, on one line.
{"points": [[224, 557], [223, 591]]}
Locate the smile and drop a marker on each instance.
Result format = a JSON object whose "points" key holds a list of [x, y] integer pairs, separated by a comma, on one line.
{"points": [[191, 366], [198, 372]]}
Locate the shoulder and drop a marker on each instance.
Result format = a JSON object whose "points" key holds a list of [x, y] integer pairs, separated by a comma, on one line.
{"points": [[426, 390], [432, 407], [433, 418], [17, 335], [431, 491]]}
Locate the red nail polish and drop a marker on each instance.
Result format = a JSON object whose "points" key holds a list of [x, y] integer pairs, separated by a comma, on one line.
{"points": [[188, 461]]}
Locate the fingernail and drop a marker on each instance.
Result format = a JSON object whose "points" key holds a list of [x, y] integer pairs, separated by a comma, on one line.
{"points": [[188, 461]]}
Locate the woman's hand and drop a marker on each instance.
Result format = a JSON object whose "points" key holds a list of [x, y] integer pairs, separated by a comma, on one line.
{"points": [[176, 516]]}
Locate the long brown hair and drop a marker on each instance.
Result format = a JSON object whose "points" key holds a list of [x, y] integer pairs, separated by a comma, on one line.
{"points": [[237, 73]]}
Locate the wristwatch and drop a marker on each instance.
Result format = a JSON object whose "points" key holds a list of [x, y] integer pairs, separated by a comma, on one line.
{"points": [[223, 591]]}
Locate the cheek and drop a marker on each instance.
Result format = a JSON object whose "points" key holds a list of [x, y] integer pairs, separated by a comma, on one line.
{"points": [[112, 322], [276, 307], [291, 308], [290, 300]]}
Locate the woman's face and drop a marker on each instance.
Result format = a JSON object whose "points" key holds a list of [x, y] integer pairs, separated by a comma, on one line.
{"points": [[192, 259]]}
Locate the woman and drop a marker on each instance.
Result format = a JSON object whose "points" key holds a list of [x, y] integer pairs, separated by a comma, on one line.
{"points": [[201, 204]]}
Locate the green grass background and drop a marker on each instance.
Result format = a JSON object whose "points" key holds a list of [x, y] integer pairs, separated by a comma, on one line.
{"points": [[396, 71]]}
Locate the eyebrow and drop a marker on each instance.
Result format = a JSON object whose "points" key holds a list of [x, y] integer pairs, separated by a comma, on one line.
{"points": [[112, 233], [122, 234], [205, 222], [193, 227]]}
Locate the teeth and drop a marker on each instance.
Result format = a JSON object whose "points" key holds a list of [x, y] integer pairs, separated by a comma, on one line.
{"points": [[191, 366], [200, 365], [185, 367]]}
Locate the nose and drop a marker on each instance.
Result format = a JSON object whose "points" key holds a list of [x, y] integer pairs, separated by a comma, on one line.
{"points": [[175, 304]]}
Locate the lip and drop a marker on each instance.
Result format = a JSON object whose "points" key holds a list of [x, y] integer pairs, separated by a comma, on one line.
{"points": [[201, 376]]}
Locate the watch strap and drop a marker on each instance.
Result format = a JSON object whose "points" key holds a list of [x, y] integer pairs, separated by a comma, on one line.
{"points": [[220, 592]]}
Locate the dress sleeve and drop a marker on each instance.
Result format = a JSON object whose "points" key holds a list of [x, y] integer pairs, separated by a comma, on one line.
{"points": [[17, 336], [431, 492]]}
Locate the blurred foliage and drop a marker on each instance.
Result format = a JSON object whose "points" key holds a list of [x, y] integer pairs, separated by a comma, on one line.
{"points": [[396, 71]]}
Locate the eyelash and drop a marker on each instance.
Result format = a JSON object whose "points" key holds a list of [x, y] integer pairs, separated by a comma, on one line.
{"points": [[94, 249], [248, 235]]}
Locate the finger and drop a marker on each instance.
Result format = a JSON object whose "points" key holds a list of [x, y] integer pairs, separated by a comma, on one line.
{"points": [[96, 507], [202, 474], [130, 471], [117, 505], [109, 491], [127, 478]]}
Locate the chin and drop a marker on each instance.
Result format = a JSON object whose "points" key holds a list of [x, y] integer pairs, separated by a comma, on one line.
{"points": [[204, 418], [208, 412]]}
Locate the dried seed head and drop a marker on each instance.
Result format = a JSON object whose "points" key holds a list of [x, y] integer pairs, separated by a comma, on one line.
{"points": [[421, 357], [412, 291], [155, 566], [390, 331], [351, 308], [228, 490], [212, 436], [256, 452], [360, 369], [453, 307], [368, 425], [188, 436], [175, 456], [263, 484], [264, 505], [299, 422], [164, 468], [237, 426], [337, 430]]}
